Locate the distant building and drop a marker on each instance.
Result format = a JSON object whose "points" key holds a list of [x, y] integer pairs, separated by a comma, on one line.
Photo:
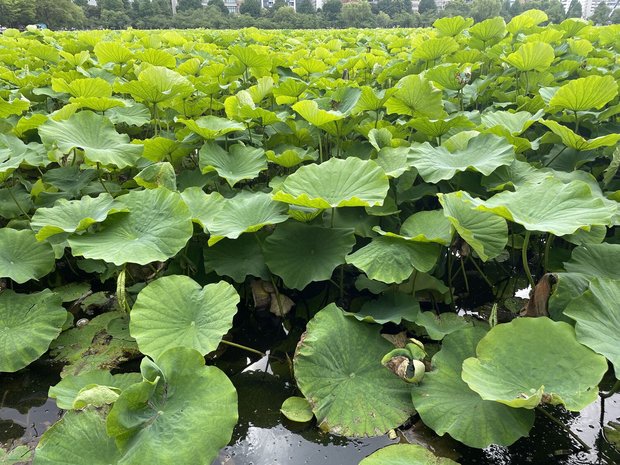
{"points": [[590, 5], [269, 3]]}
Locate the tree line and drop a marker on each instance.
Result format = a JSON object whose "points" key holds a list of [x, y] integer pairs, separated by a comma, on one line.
{"points": [[157, 14]]}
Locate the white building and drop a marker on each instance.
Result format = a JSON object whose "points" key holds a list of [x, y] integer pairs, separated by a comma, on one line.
{"points": [[590, 5]]}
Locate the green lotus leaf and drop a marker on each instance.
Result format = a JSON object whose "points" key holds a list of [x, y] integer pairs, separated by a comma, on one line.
{"points": [[310, 111], [484, 153], [96, 103], [237, 258], [336, 183], [588, 93], [212, 127], [452, 26], [508, 122], [424, 226], [180, 401], [405, 454], [201, 206], [16, 455], [112, 52], [132, 114], [415, 96], [22, 257], [156, 84], [447, 405], [29, 322], [297, 409], [597, 319], [250, 57], [157, 226], [485, 232], [157, 175], [435, 48], [489, 29], [79, 437], [338, 369], [389, 307], [88, 87], [289, 155], [239, 163], [14, 107], [438, 326], [159, 149], [535, 360], [67, 390], [532, 56], [157, 57], [392, 260], [434, 128], [596, 260], [526, 20], [175, 311], [301, 253], [372, 99], [70, 216], [393, 161], [575, 141], [95, 135]]}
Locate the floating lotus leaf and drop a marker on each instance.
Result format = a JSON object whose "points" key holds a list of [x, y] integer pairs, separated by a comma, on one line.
{"points": [[485, 232], [415, 96], [447, 405], [336, 183], [157, 226], [389, 307], [530, 361], [297, 409], [588, 93], [67, 390], [598, 320], [392, 260], [236, 258], [596, 260], [532, 56], [438, 326], [212, 127], [301, 254], [22, 257], [575, 141], [180, 402], [484, 153], [405, 454], [95, 135], [29, 322], [550, 206], [452, 26], [239, 163], [425, 226], [70, 216], [338, 369], [79, 437], [175, 311]]}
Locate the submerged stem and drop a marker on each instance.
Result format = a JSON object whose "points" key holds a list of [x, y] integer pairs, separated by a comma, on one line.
{"points": [[526, 267], [564, 427], [242, 347]]}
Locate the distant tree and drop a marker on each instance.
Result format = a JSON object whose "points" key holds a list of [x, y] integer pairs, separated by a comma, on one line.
{"points": [[600, 15], [160, 7], [186, 5], [457, 8], [59, 14], [219, 4], [305, 7], [407, 6], [15, 13], [357, 14], [615, 16], [484, 9], [81, 3], [575, 10], [331, 9], [250, 7], [285, 17], [427, 5], [555, 11], [505, 11], [112, 19], [382, 19], [516, 8], [279, 4]]}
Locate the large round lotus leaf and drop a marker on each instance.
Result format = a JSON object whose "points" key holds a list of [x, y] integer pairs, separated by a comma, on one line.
{"points": [[175, 311], [535, 360], [596, 260], [157, 226], [95, 135], [415, 96], [598, 319], [73, 215], [447, 405], [551, 206], [484, 153], [22, 257], [437, 326], [156, 84], [297, 409], [489, 29], [336, 183], [424, 226], [338, 369], [78, 438], [532, 56], [300, 253], [66, 391], [431, 49], [405, 454], [212, 127], [239, 163], [236, 258], [452, 26], [389, 307], [392, 260], [183, 413], [28, 324], [588, 93], [485, 232]]}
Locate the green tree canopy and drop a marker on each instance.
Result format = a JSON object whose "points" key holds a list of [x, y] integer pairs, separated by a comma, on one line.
{"points": [[250, 7], [305, 7], [427, 5], [185, 5], [219, 4], [600, 15], [484, 9], [575, 10]]}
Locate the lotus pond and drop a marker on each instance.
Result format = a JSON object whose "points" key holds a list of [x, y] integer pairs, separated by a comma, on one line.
{"points": [[373, 247]]}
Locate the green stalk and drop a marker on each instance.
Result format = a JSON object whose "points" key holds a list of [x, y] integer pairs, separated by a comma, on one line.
{"points": [[564, 427], [526, 267], [10, 191], [242, 347], [612, 391], [484, 276], [101, 179], [548, 243], [464, 274]]}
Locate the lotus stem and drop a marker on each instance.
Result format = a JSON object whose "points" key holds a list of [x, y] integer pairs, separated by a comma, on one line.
{"points": [[576, 122], [484, 276], [564, 427], [464, 274], [450, 260], [10, 191], [332, 218], [526, 267], [612, 391], [101, 179], [556, 156], [242, 347], [548, 243]]}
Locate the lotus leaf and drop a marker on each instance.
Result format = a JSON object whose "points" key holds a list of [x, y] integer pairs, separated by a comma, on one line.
{"points": [[236, 258], [575, 141], [156, 84], [435, 48], [526, 20], [338, 369], [405, 454], [175, 311], [484, 153], [19, 454], [29, 322], [157, 226], [336, 183], [112, 52], [157, 175], [532, 56], [530, 361], [95, 135], [289, 156], [22, 257], [452, 26], [212, 127], [438, 326], [415, 96], [389, 307], [425, 226], [181, 401], [489, 29], [301, 254], [588, 93], [239, 163], [447, 405], [511, 123], [88, 87], [596, 260], [297, 409], [310, 111]]}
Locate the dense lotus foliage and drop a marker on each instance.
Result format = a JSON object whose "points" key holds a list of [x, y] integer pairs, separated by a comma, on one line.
{"points": [[370, 187]]}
